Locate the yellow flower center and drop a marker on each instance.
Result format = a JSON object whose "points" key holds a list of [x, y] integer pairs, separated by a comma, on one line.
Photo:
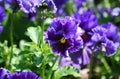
{"points": [[63, 40]]}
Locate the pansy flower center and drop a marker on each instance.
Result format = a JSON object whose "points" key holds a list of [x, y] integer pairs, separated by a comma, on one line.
{"points": [[62, 40], [84, 36]]}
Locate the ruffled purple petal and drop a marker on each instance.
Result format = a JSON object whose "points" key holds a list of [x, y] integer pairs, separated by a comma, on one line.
{"points": [[82, 56], [4, 73], [24, 75], [110, 48]]}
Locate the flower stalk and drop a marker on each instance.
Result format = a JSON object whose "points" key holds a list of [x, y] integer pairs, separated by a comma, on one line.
{"points": [[11, 38], [50, 71]]}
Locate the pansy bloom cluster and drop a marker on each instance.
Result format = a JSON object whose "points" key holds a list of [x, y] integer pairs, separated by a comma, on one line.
{"points": [[76, 33], [29, 7], [77, 37], [5, 74]]}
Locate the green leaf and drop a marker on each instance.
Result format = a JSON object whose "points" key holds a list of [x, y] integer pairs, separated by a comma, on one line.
{"points": [[35, 34], [38, 60], [66, 70], [117, 55], [25, 52]]}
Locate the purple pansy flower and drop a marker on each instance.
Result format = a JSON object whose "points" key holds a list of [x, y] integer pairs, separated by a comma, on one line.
{"points": [[107, 35], [24, 75], [64, 36], [87, 22], [4, 73], [2, 14]]}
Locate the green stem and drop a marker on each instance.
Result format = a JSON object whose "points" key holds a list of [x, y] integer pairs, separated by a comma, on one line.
{"points": [[41, 42], [11, 38], [107, 67], [42, 70], [42, 32], [91, 64], [91, 67], [50, 71]]}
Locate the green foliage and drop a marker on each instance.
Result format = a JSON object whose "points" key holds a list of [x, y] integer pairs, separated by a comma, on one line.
{"points": [[65, 71], [31, 53], [35, 34]]}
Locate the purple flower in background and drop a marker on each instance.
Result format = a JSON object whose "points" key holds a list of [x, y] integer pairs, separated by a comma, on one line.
{"points": [[2, 18], [64, 36], [78, 3], [115, 11], [24, 75], [2, 14], [87, 22], [4, 73], [107, 35], [59, 3], [1, 29], [51, 5], [2, 2], [31, 16], [99, 34], [29, 6], [113, 38], [112, 32], [12, 4], [103, 12], [82, 56], [110, 47]]}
